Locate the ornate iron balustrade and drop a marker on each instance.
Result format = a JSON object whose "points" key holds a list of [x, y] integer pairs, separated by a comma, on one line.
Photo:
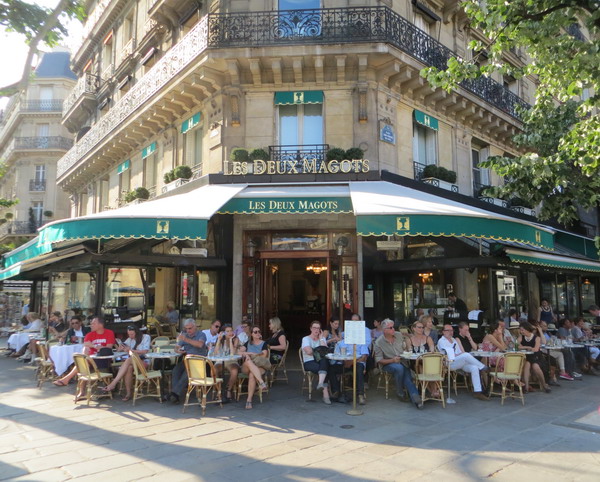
{"points": [[292, 27], [349, 25], [48, 142], [418, 169], [37, 185], [42, 105], [16, 227], [478, 188], [288, 158], [196, 172], [88, 84]]}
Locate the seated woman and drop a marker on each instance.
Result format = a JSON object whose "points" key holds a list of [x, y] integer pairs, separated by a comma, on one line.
{"points": [[430, 330], [254, 362], [376, 332], [278, 340], [309, 343], [334, 333], [528, 340], [422, 343], [227, 344], [494, 341], [139, 344]]}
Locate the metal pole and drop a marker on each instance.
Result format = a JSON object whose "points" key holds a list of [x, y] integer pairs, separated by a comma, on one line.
{"points": [[354, 410]]}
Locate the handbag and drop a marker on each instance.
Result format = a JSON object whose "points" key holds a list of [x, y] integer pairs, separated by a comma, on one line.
{"points": [[321, 352]]}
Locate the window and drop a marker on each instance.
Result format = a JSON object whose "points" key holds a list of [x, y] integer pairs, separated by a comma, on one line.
{"points": [[421, 23], [150, 171], [124, 173], [107, 45], [424, 145], [481, 176], [38, 212], [300, 124], [511, 84], [192, 140], [40, 173]]}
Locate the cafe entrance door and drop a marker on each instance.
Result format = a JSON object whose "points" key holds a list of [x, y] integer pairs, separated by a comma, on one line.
{"points": [[298, 287]]}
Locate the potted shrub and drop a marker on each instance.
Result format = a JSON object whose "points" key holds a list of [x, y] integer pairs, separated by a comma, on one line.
{"points": [[9, 216], [168, 176], [48, 214], [182, 172], [489, 195], [259, 155], [138, 193], [239, 155], [335, 154], [440, 177], [354, 153]]}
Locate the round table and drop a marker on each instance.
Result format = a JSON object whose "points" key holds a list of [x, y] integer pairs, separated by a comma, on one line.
{"points": [[339, 357], [62, 356], [16, 341], [116, 354]]}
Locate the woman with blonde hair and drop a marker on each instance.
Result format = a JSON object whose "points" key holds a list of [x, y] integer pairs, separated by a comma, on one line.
{"points": [[278, 340]]}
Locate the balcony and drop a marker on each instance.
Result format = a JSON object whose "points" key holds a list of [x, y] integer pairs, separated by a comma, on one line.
{"points": [[37, 185], [296, 158], [42, 105], [47, 142], [83, 95], [298, 27], [16, 228]]}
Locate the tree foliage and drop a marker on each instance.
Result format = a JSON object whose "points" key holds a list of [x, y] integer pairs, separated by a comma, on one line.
{"points": [[38, 25], [561, 132]]}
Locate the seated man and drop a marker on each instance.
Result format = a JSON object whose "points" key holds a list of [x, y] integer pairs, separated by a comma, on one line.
{"points": [[191, 342], [171, 316], [556, 356], [212, 333], [460, 360], [336, 368], [565, 333], [465, 338], [580, 332], [388, 348]]}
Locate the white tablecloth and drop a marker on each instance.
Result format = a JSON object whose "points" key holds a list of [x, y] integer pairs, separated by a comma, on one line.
{"points": [[62, 356], [16, 341]]}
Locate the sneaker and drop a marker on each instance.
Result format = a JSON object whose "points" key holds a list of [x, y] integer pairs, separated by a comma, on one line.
{"points": [[320, 386], [361, 400], [481, 396], [577, 375], [416, 399], [566, 376], [327, 401]]}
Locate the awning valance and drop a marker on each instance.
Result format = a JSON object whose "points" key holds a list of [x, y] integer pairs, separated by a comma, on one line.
{"points": [[123, 166], [148, 150], [552, 261], [190, 123], [299, 97], [426, 120], [385, 209]]}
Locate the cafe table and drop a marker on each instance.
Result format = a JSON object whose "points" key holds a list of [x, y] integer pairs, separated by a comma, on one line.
{"points": [[16, 341], [62, 356]]}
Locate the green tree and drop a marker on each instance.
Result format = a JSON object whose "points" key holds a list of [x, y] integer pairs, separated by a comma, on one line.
{"points": [[38, 25], [560, 164]]}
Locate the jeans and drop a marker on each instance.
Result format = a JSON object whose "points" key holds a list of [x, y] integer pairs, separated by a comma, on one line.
{"points": [[403, 379], [338, 368], [320, 366], [179, 378]]}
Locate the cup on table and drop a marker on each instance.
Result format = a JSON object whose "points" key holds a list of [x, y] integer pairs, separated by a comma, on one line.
{"points": [[343, 350]]}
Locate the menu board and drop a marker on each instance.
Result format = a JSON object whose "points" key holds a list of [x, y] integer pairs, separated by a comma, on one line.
{"points": [[354, 332]]}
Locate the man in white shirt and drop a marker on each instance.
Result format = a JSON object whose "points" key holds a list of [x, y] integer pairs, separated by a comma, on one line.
{"points": [[212, 334], [460, 360]]}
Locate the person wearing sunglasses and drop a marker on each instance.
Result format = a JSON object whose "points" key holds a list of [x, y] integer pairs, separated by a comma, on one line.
{"points": [[255, 362], [212, 333]]}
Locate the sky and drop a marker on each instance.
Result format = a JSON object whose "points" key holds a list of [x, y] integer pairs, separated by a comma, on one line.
{"points": [[13, 50]]}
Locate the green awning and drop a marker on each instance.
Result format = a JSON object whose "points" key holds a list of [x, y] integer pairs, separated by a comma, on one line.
{"points": [[10, 272], [146, 151], [579, 244], [552, 261], [452, 226], [299, 97], [25, 252], [287, 205], [426, 120], [123, 166], [190, 123]]}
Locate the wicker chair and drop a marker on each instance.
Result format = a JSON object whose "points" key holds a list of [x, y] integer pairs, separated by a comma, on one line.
{"points": [[203, 377], [307, 377], [144, 379], [88, 374], [45, 366], [430, 368], [508, 370], [279, 372]]}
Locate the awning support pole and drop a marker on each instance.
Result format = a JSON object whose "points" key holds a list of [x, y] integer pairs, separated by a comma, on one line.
{"points": [[99, 246]]}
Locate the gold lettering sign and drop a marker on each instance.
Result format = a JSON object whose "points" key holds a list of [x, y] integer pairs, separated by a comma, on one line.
{"points": [[402, 223], [301, 166], [538, 237]]}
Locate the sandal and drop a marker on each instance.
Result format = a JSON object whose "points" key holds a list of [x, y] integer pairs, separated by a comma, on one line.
{"points": [[263, 386], [106, 389], [126, 398], [248, 405], [59, 383]]}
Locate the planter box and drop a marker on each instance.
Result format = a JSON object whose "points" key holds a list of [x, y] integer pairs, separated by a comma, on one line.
{"points": [[174, 185], [439, 183], [523, 210], [495, 201]]}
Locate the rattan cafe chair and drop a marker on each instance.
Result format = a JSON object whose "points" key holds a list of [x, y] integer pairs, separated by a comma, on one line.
{"points": [[88, 374], [150, 380], [430, 369], [508, 370], [279, 372], [202, 377]]}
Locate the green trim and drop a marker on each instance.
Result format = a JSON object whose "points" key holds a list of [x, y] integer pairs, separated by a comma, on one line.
{"points": [[453, 226], [579, 244], [190, 123], [287, 205], [146, 151], [426, 120], [299, 97], [124, 228], [554, 263], [123, 166], [10, 272]]}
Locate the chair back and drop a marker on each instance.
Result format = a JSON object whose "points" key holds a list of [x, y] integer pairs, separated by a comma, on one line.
{"points": [[432, 364], [160, 340], [284, 356], [301, 356], [514, 363], [42, 350], [82, 364], [138, 366], [199, 367]]}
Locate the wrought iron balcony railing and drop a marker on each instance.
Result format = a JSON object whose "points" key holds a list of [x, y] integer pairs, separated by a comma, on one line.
{"points": [[418, 169], [16, 227], [88, 84], [44, 142], [297, 158], [42, 105], [292, 27], [37, 185]]}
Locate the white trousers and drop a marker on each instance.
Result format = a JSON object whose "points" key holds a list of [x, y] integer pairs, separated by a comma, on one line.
{"points": [[594, 352], [469, 364], [560, 359]]}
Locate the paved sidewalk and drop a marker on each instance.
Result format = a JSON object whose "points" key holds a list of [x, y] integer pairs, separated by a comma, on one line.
{"points": [[44, 436]]}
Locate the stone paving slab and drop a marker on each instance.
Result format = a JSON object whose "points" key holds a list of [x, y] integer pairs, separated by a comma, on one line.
{"points": [[44, 437]]}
